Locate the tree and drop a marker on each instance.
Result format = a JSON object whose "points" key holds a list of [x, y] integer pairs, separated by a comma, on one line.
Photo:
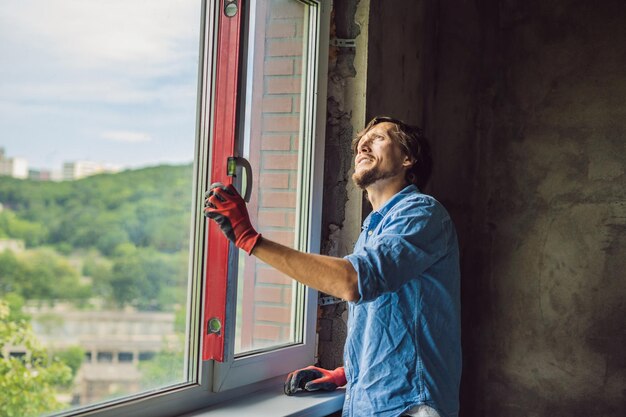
{"points": [[11, 273], [165, 368], [28, 383], [73, 357], [41, 274], [11, 225], [143, 278], [136, 221]]}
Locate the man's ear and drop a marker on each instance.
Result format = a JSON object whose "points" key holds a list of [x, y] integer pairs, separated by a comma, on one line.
{"points": [[408, 162]]}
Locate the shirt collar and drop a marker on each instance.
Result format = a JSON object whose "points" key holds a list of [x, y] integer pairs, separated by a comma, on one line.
{"points": [[381, 212]]}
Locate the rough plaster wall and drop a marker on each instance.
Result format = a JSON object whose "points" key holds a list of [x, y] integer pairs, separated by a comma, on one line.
{"points": [[379, 76], [339, 129], [345, 114], [559, 314], [458, 45], [542, 120], [523, 102], [393, 68]]}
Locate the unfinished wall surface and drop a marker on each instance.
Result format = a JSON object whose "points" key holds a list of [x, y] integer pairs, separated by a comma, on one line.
{"points": [[394, 60], [341, 214], [523, 102], [380, 75], [526, 112]]}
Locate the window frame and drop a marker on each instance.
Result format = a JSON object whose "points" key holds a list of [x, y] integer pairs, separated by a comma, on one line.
{"points": [[249, 368], [193, 393], [212, 382]]}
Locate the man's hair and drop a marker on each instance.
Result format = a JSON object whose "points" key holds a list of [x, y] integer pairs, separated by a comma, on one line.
{"points": [[412, 142]]}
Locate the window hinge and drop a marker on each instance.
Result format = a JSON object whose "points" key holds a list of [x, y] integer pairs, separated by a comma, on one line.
{"points": [[343, 43], [328, 300]]}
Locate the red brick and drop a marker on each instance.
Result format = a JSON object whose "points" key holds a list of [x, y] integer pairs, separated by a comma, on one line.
{"points": [[285, 333], [272, 219], [267, 332], [273, 314], [287, 295], [281, 123], [280, 47], [279, 67], [293, 179], [272, 276], [296, 103], [280, 161], [274, 180], [279, 104], [281, 29], [278, 199], [283, 85], [298, 67], [291, 220], [276, 142], [280, 236], [268, 294]]}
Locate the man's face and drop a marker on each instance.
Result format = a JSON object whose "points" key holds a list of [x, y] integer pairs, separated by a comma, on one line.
{"points": [[378, 157]]}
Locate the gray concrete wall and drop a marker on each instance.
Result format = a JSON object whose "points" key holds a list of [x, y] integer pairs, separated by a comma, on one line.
{"points": [[524, 103], [527, 116], [341, 216], [380, 76], [394, 60]]}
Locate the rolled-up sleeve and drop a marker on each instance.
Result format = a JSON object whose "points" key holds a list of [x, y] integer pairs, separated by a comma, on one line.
{"points": [[407, 245]]}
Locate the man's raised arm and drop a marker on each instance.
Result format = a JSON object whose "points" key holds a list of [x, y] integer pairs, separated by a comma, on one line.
{"points": [[334, 276]]}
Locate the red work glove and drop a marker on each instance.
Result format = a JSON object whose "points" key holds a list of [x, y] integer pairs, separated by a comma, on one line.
{"points": [[224, 205], [313, 378]]}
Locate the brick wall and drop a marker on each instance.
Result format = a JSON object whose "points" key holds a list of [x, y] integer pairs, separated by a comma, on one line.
{"points": [[275, 129]]}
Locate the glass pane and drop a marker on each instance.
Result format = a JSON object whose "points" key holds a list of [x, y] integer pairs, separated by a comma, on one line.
{"points": [[97, 138], [266, 314]]}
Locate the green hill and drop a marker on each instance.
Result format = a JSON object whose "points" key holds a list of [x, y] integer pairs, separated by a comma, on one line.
{"points": [[128, 232], [147, 207]]}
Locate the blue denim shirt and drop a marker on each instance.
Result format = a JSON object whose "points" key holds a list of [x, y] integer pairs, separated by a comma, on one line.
{"points": [[403, 347]]}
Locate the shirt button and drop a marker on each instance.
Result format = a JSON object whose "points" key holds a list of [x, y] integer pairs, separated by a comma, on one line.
{"points": [[370, 233]]}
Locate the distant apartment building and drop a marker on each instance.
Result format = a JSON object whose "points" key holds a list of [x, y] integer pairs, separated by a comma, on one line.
{"points": [[40, 175], [13, 167], [80, 169], [115, 342]]}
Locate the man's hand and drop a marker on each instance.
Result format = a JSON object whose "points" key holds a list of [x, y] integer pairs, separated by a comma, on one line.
{"points": [[313, 378], [224, 205]]}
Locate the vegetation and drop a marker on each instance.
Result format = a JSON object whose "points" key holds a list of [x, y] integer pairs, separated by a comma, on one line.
{"points": [[29, 384], [165, 368], [118, 239], [130, 232]]}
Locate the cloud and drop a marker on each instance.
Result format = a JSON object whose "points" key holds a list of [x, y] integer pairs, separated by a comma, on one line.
{"points": [[77, 50], [92, 77], [125, 136], [91, 34]]}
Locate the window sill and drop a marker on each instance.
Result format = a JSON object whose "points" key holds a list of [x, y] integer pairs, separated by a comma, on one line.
{"points": [[272, 402]]}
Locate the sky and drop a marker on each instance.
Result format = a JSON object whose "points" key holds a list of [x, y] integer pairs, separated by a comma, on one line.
{"points": [[110, 81]]}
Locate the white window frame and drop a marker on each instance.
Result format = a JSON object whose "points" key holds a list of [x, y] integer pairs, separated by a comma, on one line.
{"points": [[237, 371], [214, 382]]}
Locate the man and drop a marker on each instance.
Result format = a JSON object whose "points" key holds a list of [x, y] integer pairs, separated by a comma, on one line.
{"points": [[402, 354]]}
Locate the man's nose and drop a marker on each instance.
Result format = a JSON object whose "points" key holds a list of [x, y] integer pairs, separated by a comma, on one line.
{"points": [[363, 147]]}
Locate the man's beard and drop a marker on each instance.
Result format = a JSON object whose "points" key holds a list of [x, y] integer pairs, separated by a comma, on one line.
{"points": [[367, 177]]}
